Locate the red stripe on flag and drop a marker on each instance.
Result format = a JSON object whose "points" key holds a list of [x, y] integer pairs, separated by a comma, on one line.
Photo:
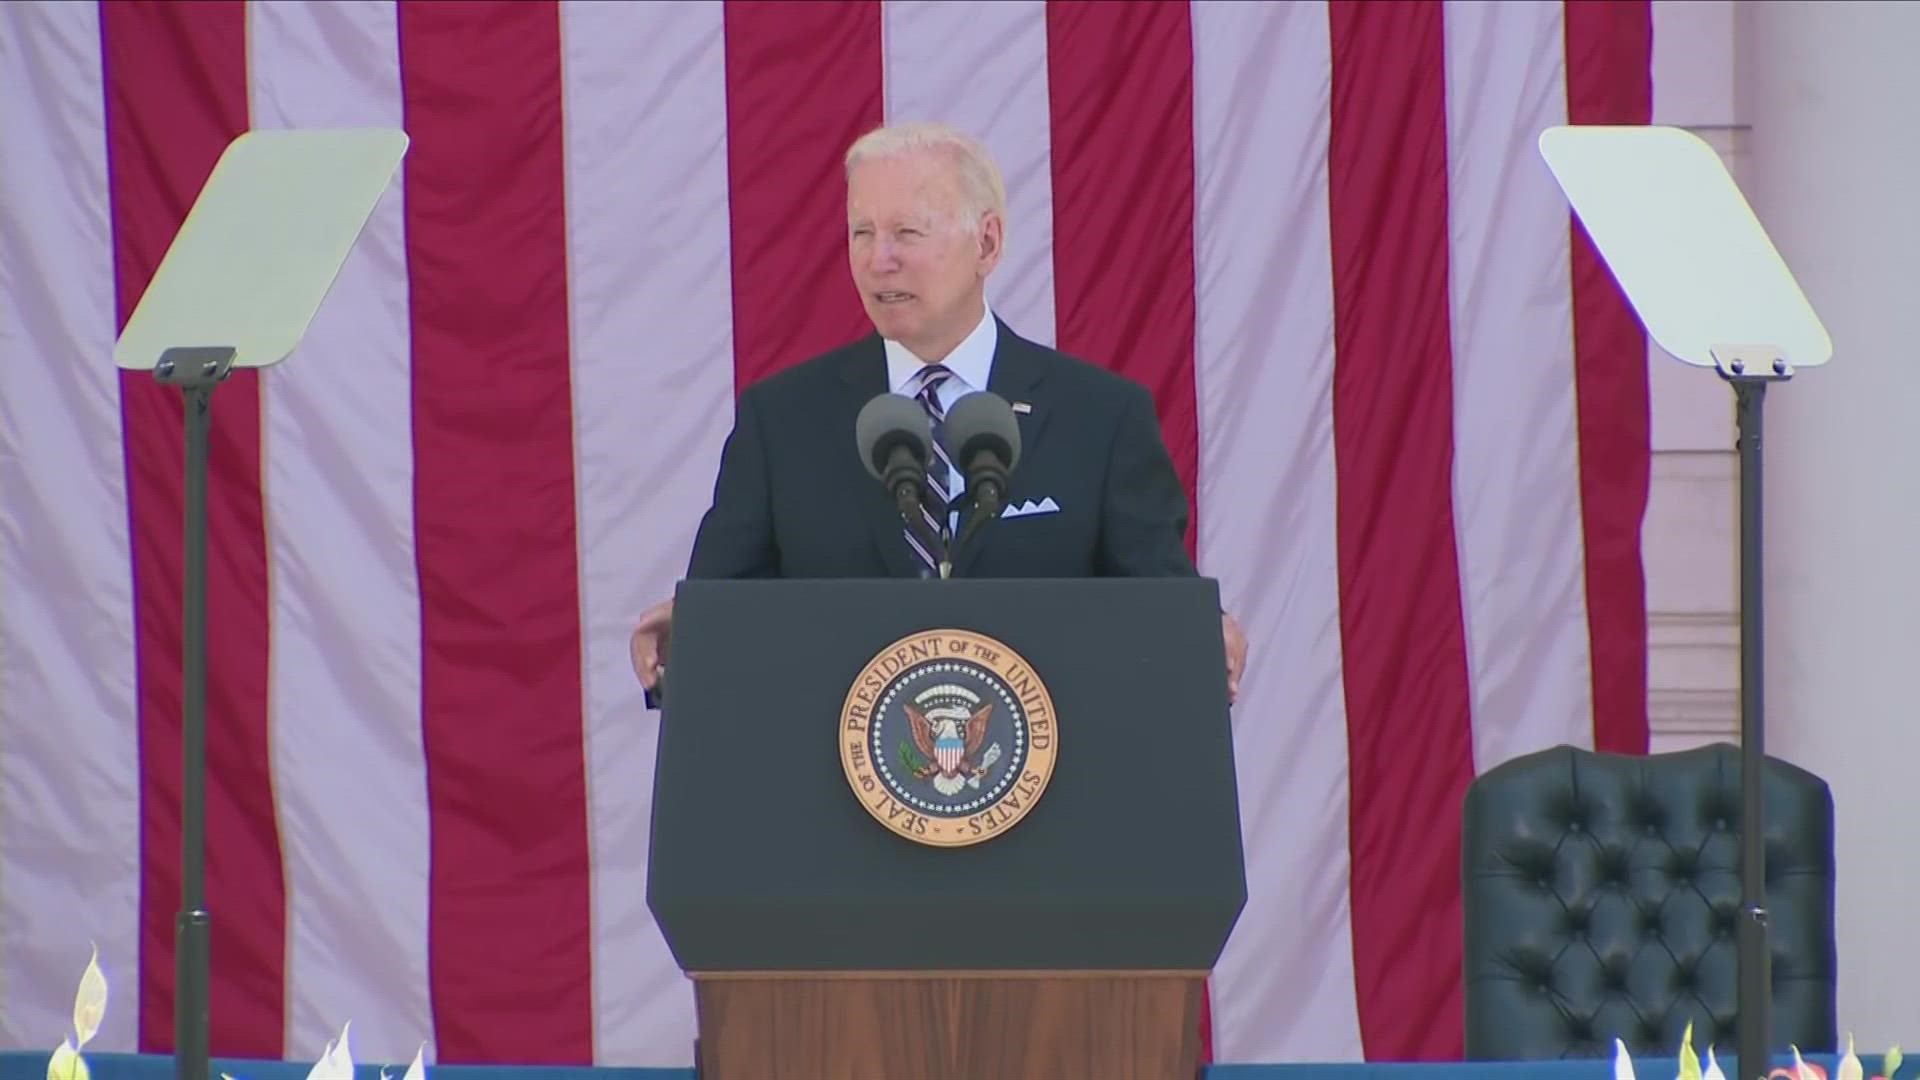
{"points": [[1402, 635], [1120, 87], [1610, 81], [1120, 90], [508, 897], [803, 82], [176, 89]]}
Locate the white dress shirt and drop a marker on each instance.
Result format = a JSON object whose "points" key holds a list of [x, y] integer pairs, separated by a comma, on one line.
{"points": [[971, 362]]}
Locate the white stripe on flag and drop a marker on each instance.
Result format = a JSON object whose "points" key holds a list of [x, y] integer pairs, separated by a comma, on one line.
{"points": [[1516, 466], [652, 297], [348, 761], [1284, 989], [983, 69], [69, 770]]}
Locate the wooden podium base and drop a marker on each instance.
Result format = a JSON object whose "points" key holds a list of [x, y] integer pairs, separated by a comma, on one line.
{"points": [[949, 1025]]}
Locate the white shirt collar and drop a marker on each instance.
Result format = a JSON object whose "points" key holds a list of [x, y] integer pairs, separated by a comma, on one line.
{"points": [[971, 360]]}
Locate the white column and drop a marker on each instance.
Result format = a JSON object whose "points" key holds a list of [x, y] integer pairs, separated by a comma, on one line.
{"points": [[1829, 89]]}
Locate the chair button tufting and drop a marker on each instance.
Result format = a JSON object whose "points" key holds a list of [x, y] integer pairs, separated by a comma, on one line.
{"points": [[1720, 824], [1613, 868], [1682, 867]]}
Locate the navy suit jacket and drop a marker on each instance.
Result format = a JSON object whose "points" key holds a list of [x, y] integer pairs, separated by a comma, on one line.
{"points": [[793, 500]]}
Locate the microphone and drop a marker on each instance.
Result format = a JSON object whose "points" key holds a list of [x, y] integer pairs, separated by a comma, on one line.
{"points": [[983, 438], [896, 441]]}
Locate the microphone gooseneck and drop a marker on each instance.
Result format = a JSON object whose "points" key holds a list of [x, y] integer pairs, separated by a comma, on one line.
{"points": [[902, 470], [895, 440], [983, 439]]}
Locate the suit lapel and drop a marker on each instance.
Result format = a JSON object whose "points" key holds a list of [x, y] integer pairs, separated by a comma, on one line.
{"points": [[864, 375], [1019, 370]]}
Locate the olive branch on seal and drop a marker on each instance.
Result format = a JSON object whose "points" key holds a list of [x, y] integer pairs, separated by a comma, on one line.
{"points": [[911, 761]]}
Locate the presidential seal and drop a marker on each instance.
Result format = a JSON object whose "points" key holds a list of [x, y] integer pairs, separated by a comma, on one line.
{"points": [[948, 738]]}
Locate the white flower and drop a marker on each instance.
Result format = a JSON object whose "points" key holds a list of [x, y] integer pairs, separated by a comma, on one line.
{"points": [[1622, 1062], [336, 1062], [415, 1071], [1689, 1065], [1849, 1065], [89, 1002], [66, 1064]]}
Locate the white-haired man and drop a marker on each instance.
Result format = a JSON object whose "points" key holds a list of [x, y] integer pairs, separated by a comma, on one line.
{"points": [[926, 212]]}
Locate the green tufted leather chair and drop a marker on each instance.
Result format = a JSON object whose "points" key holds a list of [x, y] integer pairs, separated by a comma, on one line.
{"points": [[1601, 892]]}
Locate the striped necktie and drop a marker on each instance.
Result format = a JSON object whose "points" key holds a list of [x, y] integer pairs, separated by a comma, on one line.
{"points": [[941, 474]]}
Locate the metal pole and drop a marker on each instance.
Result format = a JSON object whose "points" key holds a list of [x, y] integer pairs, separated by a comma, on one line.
{"points": [[196, 371], [1755, 985], [191, 939]]}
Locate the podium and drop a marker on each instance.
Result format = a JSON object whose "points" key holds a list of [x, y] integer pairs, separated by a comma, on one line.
{"points": [[945, 830]]}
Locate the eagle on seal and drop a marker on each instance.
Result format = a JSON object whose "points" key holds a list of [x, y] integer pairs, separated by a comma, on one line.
{"points": [[950, 739]]}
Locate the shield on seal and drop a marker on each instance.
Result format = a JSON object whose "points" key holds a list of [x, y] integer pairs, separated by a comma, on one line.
{"points": [[948, 750]]}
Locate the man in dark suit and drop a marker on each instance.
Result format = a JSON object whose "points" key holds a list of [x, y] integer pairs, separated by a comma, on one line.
{"points": [[1094, 494]]}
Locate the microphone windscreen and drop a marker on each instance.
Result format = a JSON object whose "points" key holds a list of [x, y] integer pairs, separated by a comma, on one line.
{"points": [[887, 421], [982, 421]]}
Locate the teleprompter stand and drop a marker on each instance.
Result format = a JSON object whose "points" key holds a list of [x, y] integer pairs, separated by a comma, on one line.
{"points": [[1704, 278], [1749, 371], [237, 288], [196, 371]]}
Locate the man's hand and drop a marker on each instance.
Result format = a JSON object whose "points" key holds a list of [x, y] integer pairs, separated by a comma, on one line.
{"points": [[1236, 654], [649, 644]]}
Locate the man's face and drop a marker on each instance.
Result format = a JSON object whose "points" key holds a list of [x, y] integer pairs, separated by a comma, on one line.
{"points": [[919, 268]]}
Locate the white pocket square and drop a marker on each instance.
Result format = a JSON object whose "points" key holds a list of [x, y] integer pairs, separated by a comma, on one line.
{"points": [[1029, 508]]}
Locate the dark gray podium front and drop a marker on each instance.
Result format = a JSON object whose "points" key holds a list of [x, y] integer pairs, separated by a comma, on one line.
{"points": [[1073, 942]]}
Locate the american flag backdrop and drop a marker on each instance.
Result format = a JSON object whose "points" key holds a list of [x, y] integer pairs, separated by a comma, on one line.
{"points": [[1407, 400]]}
